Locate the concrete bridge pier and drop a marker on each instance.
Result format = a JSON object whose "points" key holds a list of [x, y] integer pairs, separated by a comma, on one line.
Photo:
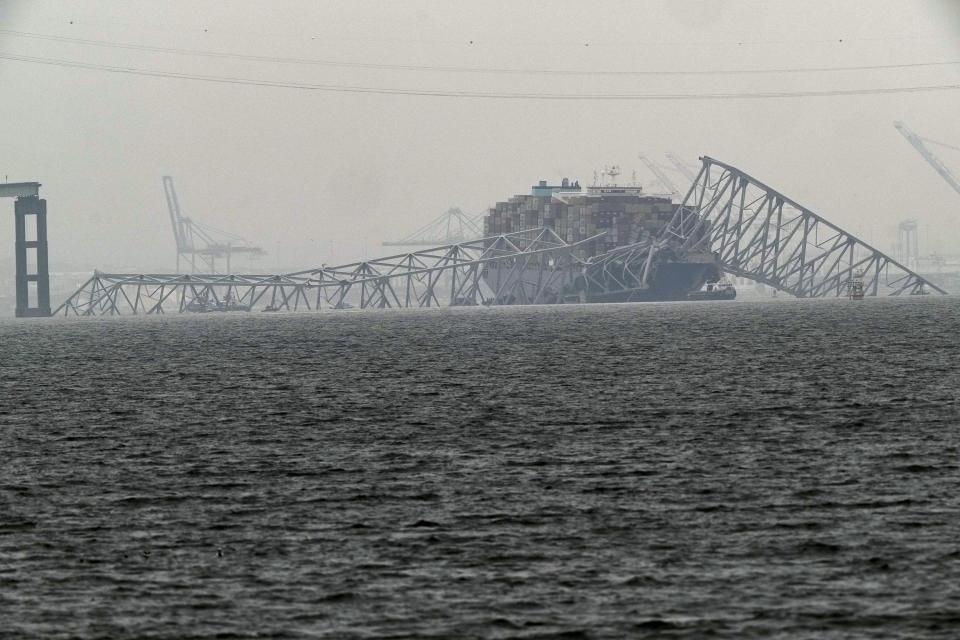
{"points": [[33, 274]]}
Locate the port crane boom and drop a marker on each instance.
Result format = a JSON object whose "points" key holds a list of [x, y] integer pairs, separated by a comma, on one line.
{"points": [[660, 175], [681, 166], [187, 233], [918, 143], [451, 227], [177, 220]]}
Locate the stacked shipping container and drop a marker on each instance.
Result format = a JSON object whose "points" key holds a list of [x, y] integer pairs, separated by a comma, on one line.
{"points": [[625, 214]]}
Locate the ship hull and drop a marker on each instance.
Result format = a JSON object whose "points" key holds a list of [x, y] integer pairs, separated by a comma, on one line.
{"points": [[670, 281]]}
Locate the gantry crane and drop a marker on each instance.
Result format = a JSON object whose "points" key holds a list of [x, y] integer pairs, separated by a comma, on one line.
{"points": [[681, 166], [660, 175], [932, 160], [451, 227], [188, 233]]}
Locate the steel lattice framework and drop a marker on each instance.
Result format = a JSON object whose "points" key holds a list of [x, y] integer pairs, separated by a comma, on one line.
{"points": [[754, 231], [125, 293], [760, 234], [626, 268], [532, 266]]}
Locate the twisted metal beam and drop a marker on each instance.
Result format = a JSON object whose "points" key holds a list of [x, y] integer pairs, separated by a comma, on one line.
{"points": [[154, 293], [626, 268], [761, 234], [523, 267]]}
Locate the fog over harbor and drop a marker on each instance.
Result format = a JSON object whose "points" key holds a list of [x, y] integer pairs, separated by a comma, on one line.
{"points": [[318, 175]]}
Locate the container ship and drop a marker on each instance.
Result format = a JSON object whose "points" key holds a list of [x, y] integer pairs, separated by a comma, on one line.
{"points": [[629, 258]]}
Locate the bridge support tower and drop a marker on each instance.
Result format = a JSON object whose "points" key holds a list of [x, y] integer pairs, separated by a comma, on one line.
{"points": [[32, 274]]}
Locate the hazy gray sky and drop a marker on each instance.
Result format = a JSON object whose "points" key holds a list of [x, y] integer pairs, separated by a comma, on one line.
{"points": [[319, 176]]}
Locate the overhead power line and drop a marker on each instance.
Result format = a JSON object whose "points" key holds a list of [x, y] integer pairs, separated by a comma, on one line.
{"points": [[461, 69], [203, 28], [942, 144], [450, 93]]}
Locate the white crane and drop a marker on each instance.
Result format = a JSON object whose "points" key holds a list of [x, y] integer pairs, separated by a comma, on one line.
{"points": [[932, 160], [187, 233], [661, 176], [681, 166]]}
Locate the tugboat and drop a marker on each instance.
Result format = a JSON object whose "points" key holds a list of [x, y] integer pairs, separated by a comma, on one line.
{"points": [[202, 305], [855, 286], [721, 290]]}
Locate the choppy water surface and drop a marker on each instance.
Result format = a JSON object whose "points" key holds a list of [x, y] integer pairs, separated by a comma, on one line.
{"points": [[715, 469]]}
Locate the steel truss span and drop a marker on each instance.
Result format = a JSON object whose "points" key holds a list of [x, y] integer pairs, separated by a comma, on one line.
{"points": [[133, 294], [754, 231], [532, 266], [760, 234]]}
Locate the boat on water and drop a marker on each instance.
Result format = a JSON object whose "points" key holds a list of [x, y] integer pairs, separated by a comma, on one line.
{"points": [[621, 249], [721, 290], [855, 288], [221, 306]]}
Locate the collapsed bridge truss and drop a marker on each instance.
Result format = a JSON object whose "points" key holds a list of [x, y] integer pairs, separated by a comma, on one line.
{"points": [[533, 265], [754, 231], [760, 234]]}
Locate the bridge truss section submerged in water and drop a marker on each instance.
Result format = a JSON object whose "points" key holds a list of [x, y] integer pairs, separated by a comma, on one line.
{"points": [[728, 218], [537, 261], [761, 234]]}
